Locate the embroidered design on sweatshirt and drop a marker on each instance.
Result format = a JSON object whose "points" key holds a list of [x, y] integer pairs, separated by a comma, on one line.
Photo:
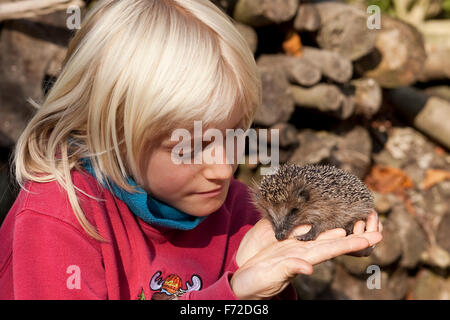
{"points": [[141, 296], [172, 286]]}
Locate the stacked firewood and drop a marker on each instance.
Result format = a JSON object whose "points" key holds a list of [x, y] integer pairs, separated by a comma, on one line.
{"points": [[340, 93], [342, 67], [327, 63]]}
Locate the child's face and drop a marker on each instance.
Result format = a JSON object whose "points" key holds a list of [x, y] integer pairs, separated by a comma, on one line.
{"points": [[183, 186]]}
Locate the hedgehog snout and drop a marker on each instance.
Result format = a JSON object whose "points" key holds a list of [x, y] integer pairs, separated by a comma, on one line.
{"points": [[280, 235], [281, 226]]}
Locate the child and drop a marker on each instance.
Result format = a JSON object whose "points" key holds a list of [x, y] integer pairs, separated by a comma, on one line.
{"points": [[104, 212]]}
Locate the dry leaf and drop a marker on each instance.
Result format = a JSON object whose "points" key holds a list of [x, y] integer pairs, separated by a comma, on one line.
{"points": [[440, 151], [293, 44], [434, 176], [409, 206], [382, 126], [385, 179]]}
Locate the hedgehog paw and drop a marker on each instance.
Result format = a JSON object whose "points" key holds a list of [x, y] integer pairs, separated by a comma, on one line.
{"points": [[310, 235]]}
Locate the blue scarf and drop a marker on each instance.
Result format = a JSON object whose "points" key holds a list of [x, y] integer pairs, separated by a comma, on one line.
{"points": [[147, 208]]}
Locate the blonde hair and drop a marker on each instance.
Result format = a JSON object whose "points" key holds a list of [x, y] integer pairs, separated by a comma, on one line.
{"points": [[135, 70]]}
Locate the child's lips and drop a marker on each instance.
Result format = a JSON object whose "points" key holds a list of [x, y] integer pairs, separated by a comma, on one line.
{"points": [[211, 193]]}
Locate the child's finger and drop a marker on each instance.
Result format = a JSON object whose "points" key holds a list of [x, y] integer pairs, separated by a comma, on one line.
{"points": [[373, 237], [380, 226], [320, 251], [359, 227], [372, 221], [334, 248]]}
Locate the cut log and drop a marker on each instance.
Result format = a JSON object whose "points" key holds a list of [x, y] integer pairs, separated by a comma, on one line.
{"points": [[399, 56], [33, 8], [393, 286], [442, 235], [331, 64], [353, 151], [264, 12], [431, 115], [297, 70], [307, 18], [350, 150], [345, 31], [314, 147], [368, 96], [325, 98], [329, 9], [287, 143], [415, 12], [390, 249], [55, 64], [310, 287], [437, 65], [436, 32], [249, 35], [436, 35], [442, 92], [287, 134], [411, 236], [277, 102], [23, 70]]}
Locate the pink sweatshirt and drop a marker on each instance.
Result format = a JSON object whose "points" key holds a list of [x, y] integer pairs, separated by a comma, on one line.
{"points": [[45, 254]]}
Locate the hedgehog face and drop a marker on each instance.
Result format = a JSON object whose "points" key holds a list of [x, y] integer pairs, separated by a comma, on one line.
{"points": [[284, 210], [290, 212]]}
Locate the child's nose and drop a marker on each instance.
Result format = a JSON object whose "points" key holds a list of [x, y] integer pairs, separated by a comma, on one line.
{"points": [[218, 171], [218, 167]]}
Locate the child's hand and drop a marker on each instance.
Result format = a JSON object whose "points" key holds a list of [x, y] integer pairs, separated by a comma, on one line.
{"points": [[266, 267], [260, 236]]}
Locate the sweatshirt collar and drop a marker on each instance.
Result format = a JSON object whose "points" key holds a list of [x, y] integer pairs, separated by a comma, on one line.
{"points": [[147, 208]]}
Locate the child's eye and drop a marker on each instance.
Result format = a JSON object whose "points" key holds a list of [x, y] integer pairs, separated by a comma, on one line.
{"points": [[187, 154]]}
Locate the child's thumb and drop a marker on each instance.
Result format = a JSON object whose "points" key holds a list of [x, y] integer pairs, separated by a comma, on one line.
{"points": [[295, 266]]}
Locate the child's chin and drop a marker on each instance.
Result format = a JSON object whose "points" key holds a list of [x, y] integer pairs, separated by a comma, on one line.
{"points": [[203, 210]]}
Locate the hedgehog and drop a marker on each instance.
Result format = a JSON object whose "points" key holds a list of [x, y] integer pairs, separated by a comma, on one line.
{"points": [[322, 196]]}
